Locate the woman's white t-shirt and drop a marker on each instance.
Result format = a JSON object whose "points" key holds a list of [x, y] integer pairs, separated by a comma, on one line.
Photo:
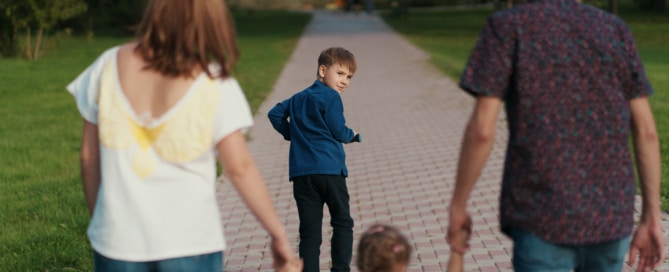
{"points": [[157, 197]]}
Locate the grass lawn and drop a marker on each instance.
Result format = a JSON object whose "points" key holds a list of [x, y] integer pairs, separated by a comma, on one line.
{"points": [[42, 207], [449, 37]]}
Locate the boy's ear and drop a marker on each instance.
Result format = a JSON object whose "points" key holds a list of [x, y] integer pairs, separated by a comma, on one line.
{"points": [[321, 71]]}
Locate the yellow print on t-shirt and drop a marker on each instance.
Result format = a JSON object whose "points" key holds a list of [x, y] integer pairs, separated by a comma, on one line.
{"points": [[183, 136]]}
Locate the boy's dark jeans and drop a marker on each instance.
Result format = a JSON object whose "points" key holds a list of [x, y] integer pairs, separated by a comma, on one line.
{"points": [[311, 192]]}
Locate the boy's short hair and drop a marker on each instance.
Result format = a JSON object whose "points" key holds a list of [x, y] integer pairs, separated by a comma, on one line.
{"points": [[337, 55]]}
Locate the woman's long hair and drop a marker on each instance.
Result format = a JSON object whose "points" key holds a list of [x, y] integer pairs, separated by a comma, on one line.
{"points": [[176, 36]]}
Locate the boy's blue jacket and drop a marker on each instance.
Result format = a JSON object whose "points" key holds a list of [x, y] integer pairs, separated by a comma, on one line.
{"points": [[313, 121]]}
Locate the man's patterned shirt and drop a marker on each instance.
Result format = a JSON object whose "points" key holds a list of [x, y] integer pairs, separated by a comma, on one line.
{"points": [[566, 72]]}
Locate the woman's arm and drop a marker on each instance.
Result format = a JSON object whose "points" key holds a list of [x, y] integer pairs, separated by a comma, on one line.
{"points": [[90, 165], [240, 168]]}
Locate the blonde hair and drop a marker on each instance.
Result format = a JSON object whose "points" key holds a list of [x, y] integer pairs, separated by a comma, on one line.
{"points": [[337, 55], [177, 36], [383, 248]]}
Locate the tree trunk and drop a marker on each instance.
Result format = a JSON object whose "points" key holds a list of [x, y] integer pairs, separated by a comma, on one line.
{"points": [[38, 43], [613, 6], [29, 52]]}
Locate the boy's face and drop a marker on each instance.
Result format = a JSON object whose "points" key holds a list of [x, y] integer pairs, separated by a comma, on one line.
{"points": [[336, 76]]}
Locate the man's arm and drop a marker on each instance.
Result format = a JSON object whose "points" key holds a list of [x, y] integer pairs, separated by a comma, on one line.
{"points": [[90, 165], [278, 116], [476, 146], [648, 240]]}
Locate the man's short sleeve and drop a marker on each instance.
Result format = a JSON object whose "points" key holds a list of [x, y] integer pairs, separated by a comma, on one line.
{"points": [[490, 66], [234, 112], [635, 82]]}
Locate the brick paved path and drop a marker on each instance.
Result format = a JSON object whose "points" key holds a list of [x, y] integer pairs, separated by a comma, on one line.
{"points": [[411, 118]]}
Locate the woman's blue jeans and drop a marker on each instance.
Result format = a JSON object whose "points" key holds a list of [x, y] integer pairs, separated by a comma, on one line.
{"points": [[212, 262]]}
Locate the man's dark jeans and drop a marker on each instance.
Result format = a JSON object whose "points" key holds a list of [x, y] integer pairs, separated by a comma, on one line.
{"points": [[311, 192]]}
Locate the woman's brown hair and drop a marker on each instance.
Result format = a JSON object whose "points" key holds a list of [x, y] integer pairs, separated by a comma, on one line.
{"points": [[177, 36]]}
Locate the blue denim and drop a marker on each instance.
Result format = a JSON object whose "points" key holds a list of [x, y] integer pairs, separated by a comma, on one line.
{"points": [[206, 262], [531, 253]]}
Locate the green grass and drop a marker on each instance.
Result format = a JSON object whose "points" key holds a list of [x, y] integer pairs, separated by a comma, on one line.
{"points": [[449, 37], [42, 210], [266, 41]]}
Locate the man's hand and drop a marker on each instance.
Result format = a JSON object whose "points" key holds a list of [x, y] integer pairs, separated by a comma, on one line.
{"points": [[459, 222], [647, 242], [648, 246]]}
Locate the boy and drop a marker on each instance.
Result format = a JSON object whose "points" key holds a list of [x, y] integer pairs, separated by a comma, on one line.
{"points": [[313, 121]]}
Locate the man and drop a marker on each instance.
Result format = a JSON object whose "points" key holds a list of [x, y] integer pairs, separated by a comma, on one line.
{"points": [[573, 88]]}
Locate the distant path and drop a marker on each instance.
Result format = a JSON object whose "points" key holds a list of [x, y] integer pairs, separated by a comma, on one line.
{"points": [[412, 118]]}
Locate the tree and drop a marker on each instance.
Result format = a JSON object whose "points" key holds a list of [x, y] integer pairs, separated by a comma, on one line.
{"points": [[29, 15], [7, 34], [613, 6], [14, 14], [659, 6], [115, 16], [44, 16]]}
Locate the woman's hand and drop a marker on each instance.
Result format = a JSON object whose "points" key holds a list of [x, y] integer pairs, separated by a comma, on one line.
{"points": [[284, 257]]}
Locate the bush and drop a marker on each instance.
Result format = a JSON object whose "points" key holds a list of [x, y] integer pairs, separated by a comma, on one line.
{"points": [[644, 4], [659, 6], [111, 16], [7, 37]]}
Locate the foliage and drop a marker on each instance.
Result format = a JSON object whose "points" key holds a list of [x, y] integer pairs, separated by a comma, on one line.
{"points": [[49, 12], [34, 17], [38, 15], [7, 36], [113, 16], [657, 6], [400, 8], [45, 15], [14, 14]]}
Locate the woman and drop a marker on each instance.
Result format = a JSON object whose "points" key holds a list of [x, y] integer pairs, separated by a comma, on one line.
{"points": [[158, 113]]}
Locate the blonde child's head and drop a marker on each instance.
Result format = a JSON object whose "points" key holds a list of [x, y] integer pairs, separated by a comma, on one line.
{"points": [[383, 248]]}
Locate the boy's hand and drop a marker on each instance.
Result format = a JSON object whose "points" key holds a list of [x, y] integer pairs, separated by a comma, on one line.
{"points": [[356, 138]]}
